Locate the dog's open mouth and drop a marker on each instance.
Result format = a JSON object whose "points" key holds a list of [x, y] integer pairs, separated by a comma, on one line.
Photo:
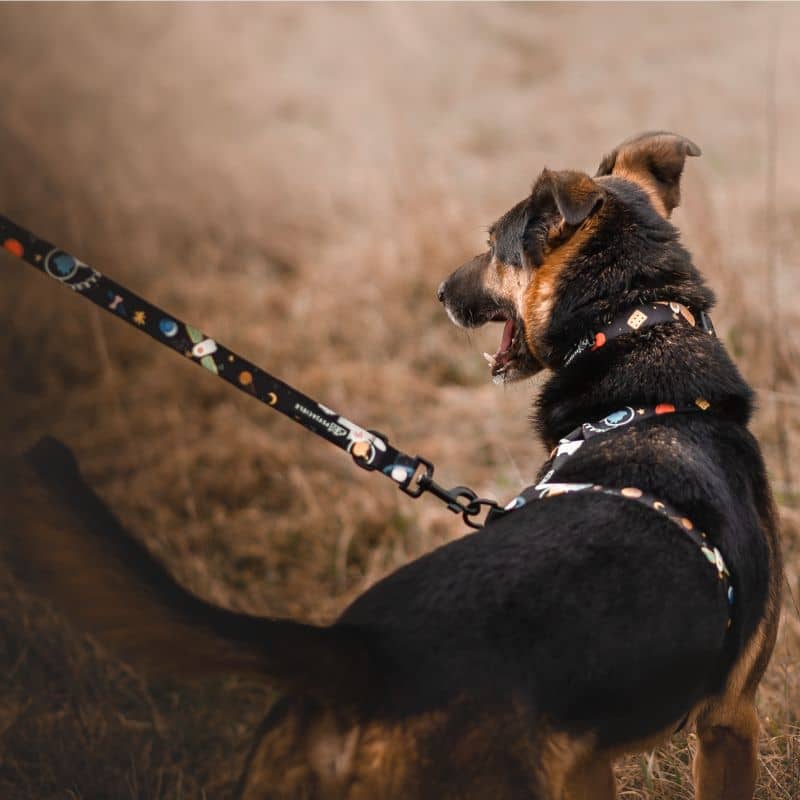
{"points": [[504, 357]]}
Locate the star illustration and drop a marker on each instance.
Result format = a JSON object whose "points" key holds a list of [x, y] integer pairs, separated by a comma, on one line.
{"points": [[139, 317]]}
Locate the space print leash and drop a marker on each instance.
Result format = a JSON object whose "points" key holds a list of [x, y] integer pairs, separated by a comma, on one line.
{"points": [[370, 450]]}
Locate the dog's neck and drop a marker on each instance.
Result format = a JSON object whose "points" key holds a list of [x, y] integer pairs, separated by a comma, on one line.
{"points": [[640, 260], [671, 363]]}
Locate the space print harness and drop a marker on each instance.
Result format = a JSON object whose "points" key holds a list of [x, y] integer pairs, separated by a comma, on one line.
{"points": [[548, 487]]}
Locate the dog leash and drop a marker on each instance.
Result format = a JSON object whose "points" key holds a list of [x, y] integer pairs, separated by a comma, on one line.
{"points": [[370, 450]]}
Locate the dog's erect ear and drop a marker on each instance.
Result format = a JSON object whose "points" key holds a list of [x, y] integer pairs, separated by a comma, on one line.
{"points": [[655, 161], [576, 195]]}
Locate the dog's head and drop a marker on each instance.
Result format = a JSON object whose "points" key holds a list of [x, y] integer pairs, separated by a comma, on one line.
{"points": [[577, 250]]}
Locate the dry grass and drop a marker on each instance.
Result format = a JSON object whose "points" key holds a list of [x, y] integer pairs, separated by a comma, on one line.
{"points": [[296, 181]]}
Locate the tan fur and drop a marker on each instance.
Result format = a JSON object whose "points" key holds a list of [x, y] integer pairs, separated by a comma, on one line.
{"points": [[592, 779], [540, 293], [654, 161], [726, 764], [507, 282], [332, 754], [311, 754], [562, 761], [643, 745], [465, 753]]}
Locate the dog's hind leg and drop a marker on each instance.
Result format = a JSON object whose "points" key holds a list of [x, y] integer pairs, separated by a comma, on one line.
{"points": [[569, 769], [726, 764], [592, 780]]}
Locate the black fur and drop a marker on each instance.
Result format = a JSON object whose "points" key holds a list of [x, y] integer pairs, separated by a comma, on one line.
{"points": [[593, 610]]}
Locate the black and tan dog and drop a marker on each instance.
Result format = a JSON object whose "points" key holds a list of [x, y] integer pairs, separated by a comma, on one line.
{"points": [[519, 661]]}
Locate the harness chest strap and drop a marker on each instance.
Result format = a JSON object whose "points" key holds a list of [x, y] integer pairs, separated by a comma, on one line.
{"points": [[570, 444]]}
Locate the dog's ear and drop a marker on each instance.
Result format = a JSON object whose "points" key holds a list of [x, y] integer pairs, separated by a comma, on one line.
{"points": [[576, 195], [655, 161]]}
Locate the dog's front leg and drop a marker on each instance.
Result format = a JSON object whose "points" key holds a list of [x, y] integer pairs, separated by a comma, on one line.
{"points": [[726, 764]]}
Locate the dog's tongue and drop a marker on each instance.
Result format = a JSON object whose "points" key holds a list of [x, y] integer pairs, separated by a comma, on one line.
{"points": [[499, 360], [508, 335]]}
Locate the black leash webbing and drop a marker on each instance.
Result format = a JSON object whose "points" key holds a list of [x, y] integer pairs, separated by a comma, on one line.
{"points": [[370, 450]]}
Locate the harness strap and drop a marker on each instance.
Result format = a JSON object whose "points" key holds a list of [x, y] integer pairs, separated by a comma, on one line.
{"points": [[700, 538], [617, 419], [573, 441], [642, 316], [370, 450]]}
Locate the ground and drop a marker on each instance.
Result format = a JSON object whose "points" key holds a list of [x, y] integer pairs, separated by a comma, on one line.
{"points": [[296, 180]]}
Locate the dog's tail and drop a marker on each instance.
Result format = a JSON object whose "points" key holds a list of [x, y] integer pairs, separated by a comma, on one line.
{"points": [[64, 543]]}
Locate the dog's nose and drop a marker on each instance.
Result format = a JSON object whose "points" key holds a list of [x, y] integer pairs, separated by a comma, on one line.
{"points": [[440, 291]]}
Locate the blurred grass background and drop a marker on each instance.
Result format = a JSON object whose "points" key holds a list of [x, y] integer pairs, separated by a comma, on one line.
{"points": [[296, 180]]}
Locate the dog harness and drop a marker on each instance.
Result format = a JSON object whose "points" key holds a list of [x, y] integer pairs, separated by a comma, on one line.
{"points": [[567, 447]]}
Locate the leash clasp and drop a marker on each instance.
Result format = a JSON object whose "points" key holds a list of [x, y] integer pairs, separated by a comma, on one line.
{"points": [[460, 499]]}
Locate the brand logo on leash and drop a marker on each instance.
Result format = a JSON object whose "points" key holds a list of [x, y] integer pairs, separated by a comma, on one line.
{"points": [[334, 428]]}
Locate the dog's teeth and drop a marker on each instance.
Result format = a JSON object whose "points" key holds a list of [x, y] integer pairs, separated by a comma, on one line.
{"points": [[489, 358]]}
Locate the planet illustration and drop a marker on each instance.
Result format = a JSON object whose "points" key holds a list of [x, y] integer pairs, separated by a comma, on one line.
{"points": [[64, 264], [61, 265], [168, 326], [620, 417]]}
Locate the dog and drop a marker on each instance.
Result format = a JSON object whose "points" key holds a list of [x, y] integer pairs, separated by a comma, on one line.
{"points": [[633, 590]]}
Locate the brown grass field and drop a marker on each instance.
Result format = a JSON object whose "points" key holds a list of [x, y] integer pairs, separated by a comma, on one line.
{"points": [[296, 180]]}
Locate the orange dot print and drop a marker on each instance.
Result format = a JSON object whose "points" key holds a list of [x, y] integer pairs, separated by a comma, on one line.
{"points": [[599, 341], [665, 408], [14, 247], [245, 378]]}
